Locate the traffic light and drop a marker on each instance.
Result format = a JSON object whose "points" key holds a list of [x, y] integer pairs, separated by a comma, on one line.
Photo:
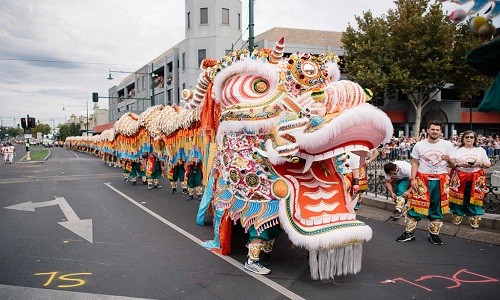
{"points": [[31, 122], [23, 123], [95, 97]]}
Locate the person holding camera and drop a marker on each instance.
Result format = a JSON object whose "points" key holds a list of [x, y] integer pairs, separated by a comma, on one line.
{"points": [[468, 181]]}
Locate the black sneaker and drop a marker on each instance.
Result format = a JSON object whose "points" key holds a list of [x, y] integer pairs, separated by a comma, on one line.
{"points": [[190, 198], [144, 183], [406, 236], [174, 191], [185, 191], [134, 183], [435, 239], [397, 214]]}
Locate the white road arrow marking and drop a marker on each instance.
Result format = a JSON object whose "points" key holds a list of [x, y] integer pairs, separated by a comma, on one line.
{"points": [[82, 228]]}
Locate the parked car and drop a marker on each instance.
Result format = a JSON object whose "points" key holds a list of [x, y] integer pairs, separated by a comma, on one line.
{"points": [[47, 143]]}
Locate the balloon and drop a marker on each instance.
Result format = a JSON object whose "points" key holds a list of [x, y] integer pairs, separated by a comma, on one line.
{"points": [[457, 16]]}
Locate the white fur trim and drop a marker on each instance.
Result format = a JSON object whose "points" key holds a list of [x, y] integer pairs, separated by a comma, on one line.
{"points": [[364, 119], [333, 71]]}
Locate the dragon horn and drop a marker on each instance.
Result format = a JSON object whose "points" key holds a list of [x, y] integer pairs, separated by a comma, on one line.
{"points": [[277, 52], [195, 98]]}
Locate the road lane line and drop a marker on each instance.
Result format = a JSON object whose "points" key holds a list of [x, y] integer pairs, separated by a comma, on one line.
{"points": [[74, 154], [21, 292], [282, 290]]}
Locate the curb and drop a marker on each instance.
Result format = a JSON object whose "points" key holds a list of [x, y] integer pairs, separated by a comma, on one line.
{"points": [[24, 161], [381, 209]]}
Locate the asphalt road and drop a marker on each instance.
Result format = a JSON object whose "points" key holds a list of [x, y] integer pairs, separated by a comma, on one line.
{"points": [[144, 244]]}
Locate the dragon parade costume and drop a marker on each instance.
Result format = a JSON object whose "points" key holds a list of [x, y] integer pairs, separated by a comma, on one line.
{"points": [[282, 123], [270, 129]]}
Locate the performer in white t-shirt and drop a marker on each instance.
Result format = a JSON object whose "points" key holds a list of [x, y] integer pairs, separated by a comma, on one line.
{"points": [[429, 177], [468, 181], [11, 151]]}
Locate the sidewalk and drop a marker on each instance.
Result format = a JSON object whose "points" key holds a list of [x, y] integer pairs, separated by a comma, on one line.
{"points": [[380, 209]]}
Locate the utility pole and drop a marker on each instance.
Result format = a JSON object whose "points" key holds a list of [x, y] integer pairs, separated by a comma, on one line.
{"points": [[251, 38], [152, 86], [87, 123]]}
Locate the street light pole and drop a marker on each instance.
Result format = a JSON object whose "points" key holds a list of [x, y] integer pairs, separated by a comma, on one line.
{"points": [[87, 123], [152, 78], [152, 86]]}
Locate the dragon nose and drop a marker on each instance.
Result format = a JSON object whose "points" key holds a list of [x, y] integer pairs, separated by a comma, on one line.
{"points": [[318, 94]]}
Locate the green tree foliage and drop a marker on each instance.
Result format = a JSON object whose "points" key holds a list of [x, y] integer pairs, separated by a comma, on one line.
{"points": [[40, 127], [66, 130], [413, 50], [465, 79], [12, 131]]}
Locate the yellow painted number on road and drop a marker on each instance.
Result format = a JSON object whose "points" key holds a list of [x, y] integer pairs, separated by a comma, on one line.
{"points": [[65, 277]]}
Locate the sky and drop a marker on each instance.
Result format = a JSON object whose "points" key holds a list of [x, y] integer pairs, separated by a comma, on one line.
{"points": [[55, 53]]}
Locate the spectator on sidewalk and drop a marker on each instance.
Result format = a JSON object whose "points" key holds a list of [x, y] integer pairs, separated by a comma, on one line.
{"points": [[397, 181], [429, 177], [468, 181], [496, 145]]}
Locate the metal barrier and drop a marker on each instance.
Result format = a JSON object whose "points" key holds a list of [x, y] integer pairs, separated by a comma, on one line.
{"points": [[376, 185]]}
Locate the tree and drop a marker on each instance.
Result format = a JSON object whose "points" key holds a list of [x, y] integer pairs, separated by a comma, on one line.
{"points": [[66, 130], [466, 81], [413, 50], [40, 127], [13, 131], [10, 132]]}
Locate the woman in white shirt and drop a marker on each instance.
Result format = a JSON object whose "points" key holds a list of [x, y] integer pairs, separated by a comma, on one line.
{"points": [[468, 181]]}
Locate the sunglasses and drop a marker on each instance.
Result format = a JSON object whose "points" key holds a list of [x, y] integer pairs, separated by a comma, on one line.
{"points": [[469, 137]]}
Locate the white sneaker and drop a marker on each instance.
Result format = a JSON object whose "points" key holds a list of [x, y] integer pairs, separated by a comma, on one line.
{"points": [[256, 267]]}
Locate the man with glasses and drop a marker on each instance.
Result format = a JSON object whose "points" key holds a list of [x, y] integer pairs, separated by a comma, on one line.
{"points": [[429, 181], [397, 181]]}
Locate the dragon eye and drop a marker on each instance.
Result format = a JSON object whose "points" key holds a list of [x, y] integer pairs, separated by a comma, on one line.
{"points": [[260, 85], [309, 69]]}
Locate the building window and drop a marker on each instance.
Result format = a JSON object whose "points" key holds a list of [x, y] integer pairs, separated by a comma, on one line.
{"points": [[202, 54], [143, 83], [183, 61], [225, 16], [239, 21], [169, 97], [183, 86], [189, 20], [204, 15]]}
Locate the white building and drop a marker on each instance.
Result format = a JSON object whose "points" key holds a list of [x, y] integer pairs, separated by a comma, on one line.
{"points": [[211, 29]]}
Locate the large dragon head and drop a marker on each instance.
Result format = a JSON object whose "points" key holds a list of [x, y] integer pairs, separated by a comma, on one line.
{"points": [[283, 122]]}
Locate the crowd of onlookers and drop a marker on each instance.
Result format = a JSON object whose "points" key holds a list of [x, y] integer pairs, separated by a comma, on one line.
{"points": [[400, 148]]}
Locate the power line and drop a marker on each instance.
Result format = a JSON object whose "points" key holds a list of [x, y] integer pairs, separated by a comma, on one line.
{"points": [[62, 62]]}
